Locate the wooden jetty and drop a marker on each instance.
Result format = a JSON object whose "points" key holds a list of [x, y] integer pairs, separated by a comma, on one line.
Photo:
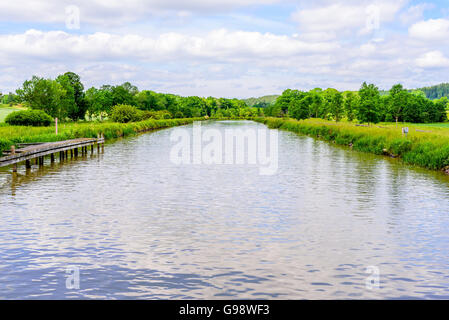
{"points": [[29, 151]]}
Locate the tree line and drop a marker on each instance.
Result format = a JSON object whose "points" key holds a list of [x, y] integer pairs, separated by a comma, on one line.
{"points": [[65, 98], [367, 105], [436, 92]]}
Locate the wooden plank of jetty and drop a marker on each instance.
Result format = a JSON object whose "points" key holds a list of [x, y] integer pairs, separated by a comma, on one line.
{"points": [[29, 151]]}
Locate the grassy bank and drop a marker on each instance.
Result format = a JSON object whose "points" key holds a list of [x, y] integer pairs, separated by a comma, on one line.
{"points": [[427, 147], [11, 135]]}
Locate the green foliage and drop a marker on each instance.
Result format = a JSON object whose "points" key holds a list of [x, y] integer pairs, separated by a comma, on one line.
{"points": [[398, 100], [298, 107], [44, 94], [369, 103], [261, 102], [351, 105], [12, 135], [62, 98], [9, 99], [429, 150], [123, 113], [289, 98], [318, 103], [158, 115], [336, 108], [99, 102], [436, 92], [74, 102], [400, 146], [35, 118]]}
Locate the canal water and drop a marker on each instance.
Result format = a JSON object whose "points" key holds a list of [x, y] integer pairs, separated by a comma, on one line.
{"points": [[331, 223]]}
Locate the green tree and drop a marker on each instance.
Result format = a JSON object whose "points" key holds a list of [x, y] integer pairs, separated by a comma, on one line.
{"points": [[124, 94], [441, 106], [99, 101], [351, 105], [397, 101], [369, 103], [316, 108], [288, 99], [43, 94], [300, 108], [337, 106]]}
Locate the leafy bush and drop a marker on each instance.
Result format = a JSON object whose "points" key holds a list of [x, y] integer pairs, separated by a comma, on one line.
{"points": [[158, 115], [123, 113], [36, 118]]}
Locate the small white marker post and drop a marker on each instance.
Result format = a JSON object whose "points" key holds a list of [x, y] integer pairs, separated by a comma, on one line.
{"points": [[56, 125], [405, 131]]}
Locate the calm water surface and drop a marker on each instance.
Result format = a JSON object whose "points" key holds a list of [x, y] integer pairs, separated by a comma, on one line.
{"points": [[138, 226]]}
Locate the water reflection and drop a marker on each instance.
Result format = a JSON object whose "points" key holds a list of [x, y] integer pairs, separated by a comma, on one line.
{"points": [[138, 226]]}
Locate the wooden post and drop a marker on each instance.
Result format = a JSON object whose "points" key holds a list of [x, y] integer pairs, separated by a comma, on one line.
{"points": [[41, 161], [98, 144], [76, 152], [91, 149], [71, 153], [52, 158], [13, 152], [28, 164]]}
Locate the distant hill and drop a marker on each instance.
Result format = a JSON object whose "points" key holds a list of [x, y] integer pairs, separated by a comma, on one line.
{"points": [[262, 101], [436, 92]]}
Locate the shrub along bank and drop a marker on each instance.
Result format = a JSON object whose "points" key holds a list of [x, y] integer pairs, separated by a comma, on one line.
{"points": [[37, 118], [426, 149]]}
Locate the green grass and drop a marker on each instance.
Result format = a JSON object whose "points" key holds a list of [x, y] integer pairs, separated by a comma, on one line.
{"points": [[428, 147], [5, 110], [444, 125], [11, 135]]}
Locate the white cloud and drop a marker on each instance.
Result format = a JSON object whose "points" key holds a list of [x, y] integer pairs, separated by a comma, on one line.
{"points": [[182, 53], [430, 30], [219, 45], [344, 16], [114, 12], [414, 13], [432, 59]]}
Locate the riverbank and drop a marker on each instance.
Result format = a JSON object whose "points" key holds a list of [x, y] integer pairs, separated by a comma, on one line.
{"points": [[424, 148], [11, 135]]}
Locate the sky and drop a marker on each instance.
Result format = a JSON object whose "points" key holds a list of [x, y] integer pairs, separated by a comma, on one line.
{"points": [[226, 48]]}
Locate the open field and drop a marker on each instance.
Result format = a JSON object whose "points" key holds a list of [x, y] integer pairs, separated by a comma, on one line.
{"points": [[444, 125], [425, 146], [5, 110], [441, 128]]}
